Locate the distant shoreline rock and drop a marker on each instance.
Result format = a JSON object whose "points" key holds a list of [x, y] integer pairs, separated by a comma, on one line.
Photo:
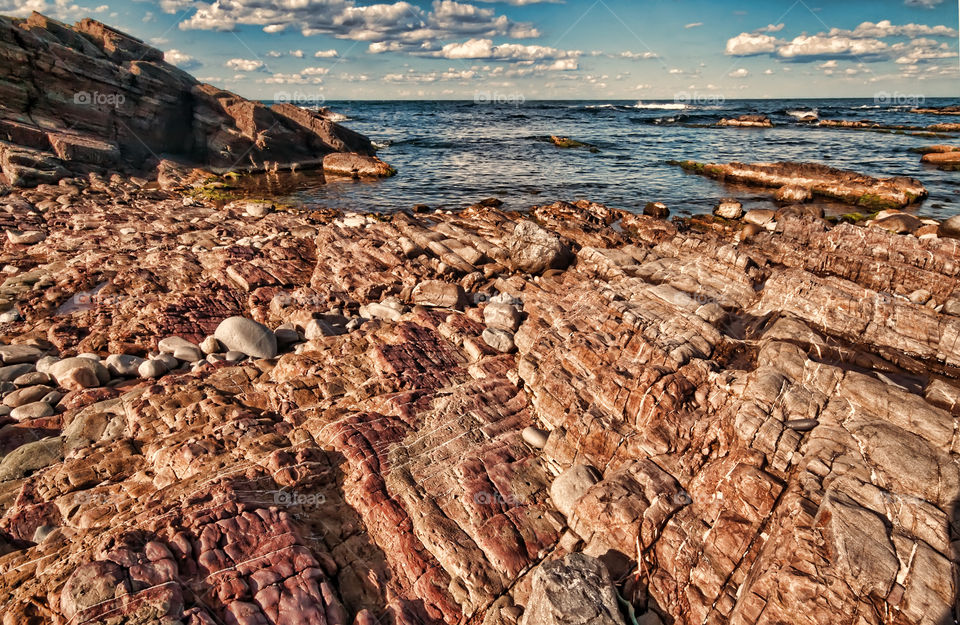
{"points": [[88, 98]]}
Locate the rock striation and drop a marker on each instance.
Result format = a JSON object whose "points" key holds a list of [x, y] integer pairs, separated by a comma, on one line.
{"points": [[729, 429], [88, 98], [820, 180]]}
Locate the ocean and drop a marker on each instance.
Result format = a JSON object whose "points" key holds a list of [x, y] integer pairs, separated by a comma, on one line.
{"points": [[450, 154]]}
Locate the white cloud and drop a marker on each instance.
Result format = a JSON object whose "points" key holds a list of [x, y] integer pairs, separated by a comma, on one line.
{"points": [[693, 25], [325, 54], [739, 73], [180, 59], [820, 46], [399, 25], [486, 49], [750, 44], [244, 65]]}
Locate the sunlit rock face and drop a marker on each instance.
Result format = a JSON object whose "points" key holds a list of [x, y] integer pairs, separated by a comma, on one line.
{"points": [[730, 429]]}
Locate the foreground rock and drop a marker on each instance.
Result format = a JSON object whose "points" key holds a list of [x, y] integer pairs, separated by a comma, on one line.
{"points": [[574, 591], [846, 186], [88, 98], [752, 432]]}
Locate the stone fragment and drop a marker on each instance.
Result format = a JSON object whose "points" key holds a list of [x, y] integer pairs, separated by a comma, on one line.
{"points": [[576, 590], [729, 209], [570, 486]]}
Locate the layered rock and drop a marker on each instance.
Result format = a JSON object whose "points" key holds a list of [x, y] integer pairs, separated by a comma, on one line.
{"points": [[87, 98], [840, 184], [747, 121], [760, 431]]}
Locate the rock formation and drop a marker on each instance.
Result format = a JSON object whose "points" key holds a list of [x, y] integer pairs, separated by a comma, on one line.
{"points": [[747, 121], [821, 180], [749, 429], [88, 98]]}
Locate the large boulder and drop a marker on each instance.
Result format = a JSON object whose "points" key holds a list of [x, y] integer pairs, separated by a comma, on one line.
{"points": [[574, 591], [245, 335], [534, 250]]}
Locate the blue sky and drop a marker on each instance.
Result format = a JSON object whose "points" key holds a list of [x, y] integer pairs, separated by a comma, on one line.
{"points": [[316, 50]]}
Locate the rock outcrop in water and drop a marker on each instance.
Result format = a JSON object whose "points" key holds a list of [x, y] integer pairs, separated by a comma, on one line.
{"points": [[821, 180], [752, 432], [88, 98]]}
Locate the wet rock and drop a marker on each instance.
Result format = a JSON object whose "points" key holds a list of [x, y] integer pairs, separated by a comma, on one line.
{"points": [[951, 227], [747, 121], [356, 166], [576, 590], [791, 193], [847, 186], [759, 216], [656, 209], [729, 209], [900, 223], [247, 336]]}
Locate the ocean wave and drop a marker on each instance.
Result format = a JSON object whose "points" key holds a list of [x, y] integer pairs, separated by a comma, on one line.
{"points": [[336, 117], [664, 106], [382, 145], [800, 114]]}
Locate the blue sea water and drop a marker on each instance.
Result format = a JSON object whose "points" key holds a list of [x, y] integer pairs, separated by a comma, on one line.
{"points": [[450, 154]]}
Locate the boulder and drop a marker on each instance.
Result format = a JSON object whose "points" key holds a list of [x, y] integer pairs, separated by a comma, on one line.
{"points": [[439, 294], [245, 335], [729, 209], [576, 590], [500, 316], [570, 486], [356, 166], [656, 209], [535, 250], [79, 373]]}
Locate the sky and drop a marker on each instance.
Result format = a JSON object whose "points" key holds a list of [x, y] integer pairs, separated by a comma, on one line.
{"points": [[311, 51]]}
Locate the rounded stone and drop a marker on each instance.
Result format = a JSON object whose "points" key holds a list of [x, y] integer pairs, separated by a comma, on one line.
{"points": [[570, 486], [729, 209], [79, 373], [656, 209], [124, 365], [500, 340], [501, 316], [245, 335], [152, 369], [210, 345], [25, 395], [31, 379], [168, 360], [33, 410], [234, 356], [535, 437]]}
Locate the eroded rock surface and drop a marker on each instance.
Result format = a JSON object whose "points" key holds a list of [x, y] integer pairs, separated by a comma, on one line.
{"points": [[764, 431]]}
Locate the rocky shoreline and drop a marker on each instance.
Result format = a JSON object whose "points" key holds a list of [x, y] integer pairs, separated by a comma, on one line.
{"points": [[427, 416], [222, 409]]}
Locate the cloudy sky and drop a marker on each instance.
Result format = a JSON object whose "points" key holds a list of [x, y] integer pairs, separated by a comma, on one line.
{"points": [[585, 49]]}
